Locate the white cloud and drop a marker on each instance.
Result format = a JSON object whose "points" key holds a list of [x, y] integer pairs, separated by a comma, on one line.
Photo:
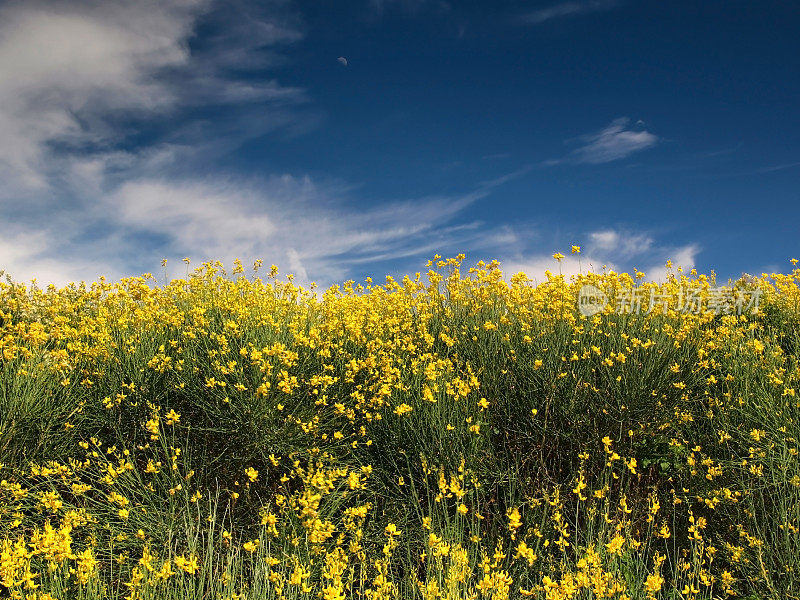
{"points": [[604, 240], [304, 227], [682, 256], [77, 77], [774, 168], [536, 266], [640, 250], [622, 244], [27, 253], [413, 6], [614, 142], [609, 249], [72, 71], [64, 65], [567, 9]]}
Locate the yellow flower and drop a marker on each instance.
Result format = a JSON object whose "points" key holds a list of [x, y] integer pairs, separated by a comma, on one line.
{"points": [[251, 473], [523, 551], [402, 409], [653, 583], [514, 519], [615, 545], [172, 417], [576, 249], [87, 566], [558, 256], [187, 565]]}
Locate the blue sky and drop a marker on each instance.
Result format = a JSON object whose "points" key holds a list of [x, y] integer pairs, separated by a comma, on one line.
{"points": [[346, 139]]}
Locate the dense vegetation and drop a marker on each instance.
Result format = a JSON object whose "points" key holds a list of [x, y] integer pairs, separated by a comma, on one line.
{"points": [[447, 436]]}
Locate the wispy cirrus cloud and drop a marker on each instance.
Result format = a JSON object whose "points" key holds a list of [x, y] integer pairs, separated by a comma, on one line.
{"points": [[410, 6], [315, 229], [774, 168], [616, 141], [566, 9]]}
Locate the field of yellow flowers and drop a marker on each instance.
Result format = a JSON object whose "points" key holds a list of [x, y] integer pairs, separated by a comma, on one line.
{"points": [[451, 435]]}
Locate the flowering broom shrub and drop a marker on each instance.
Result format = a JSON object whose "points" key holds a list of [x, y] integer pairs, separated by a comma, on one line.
{"points": [[456, 435]]}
